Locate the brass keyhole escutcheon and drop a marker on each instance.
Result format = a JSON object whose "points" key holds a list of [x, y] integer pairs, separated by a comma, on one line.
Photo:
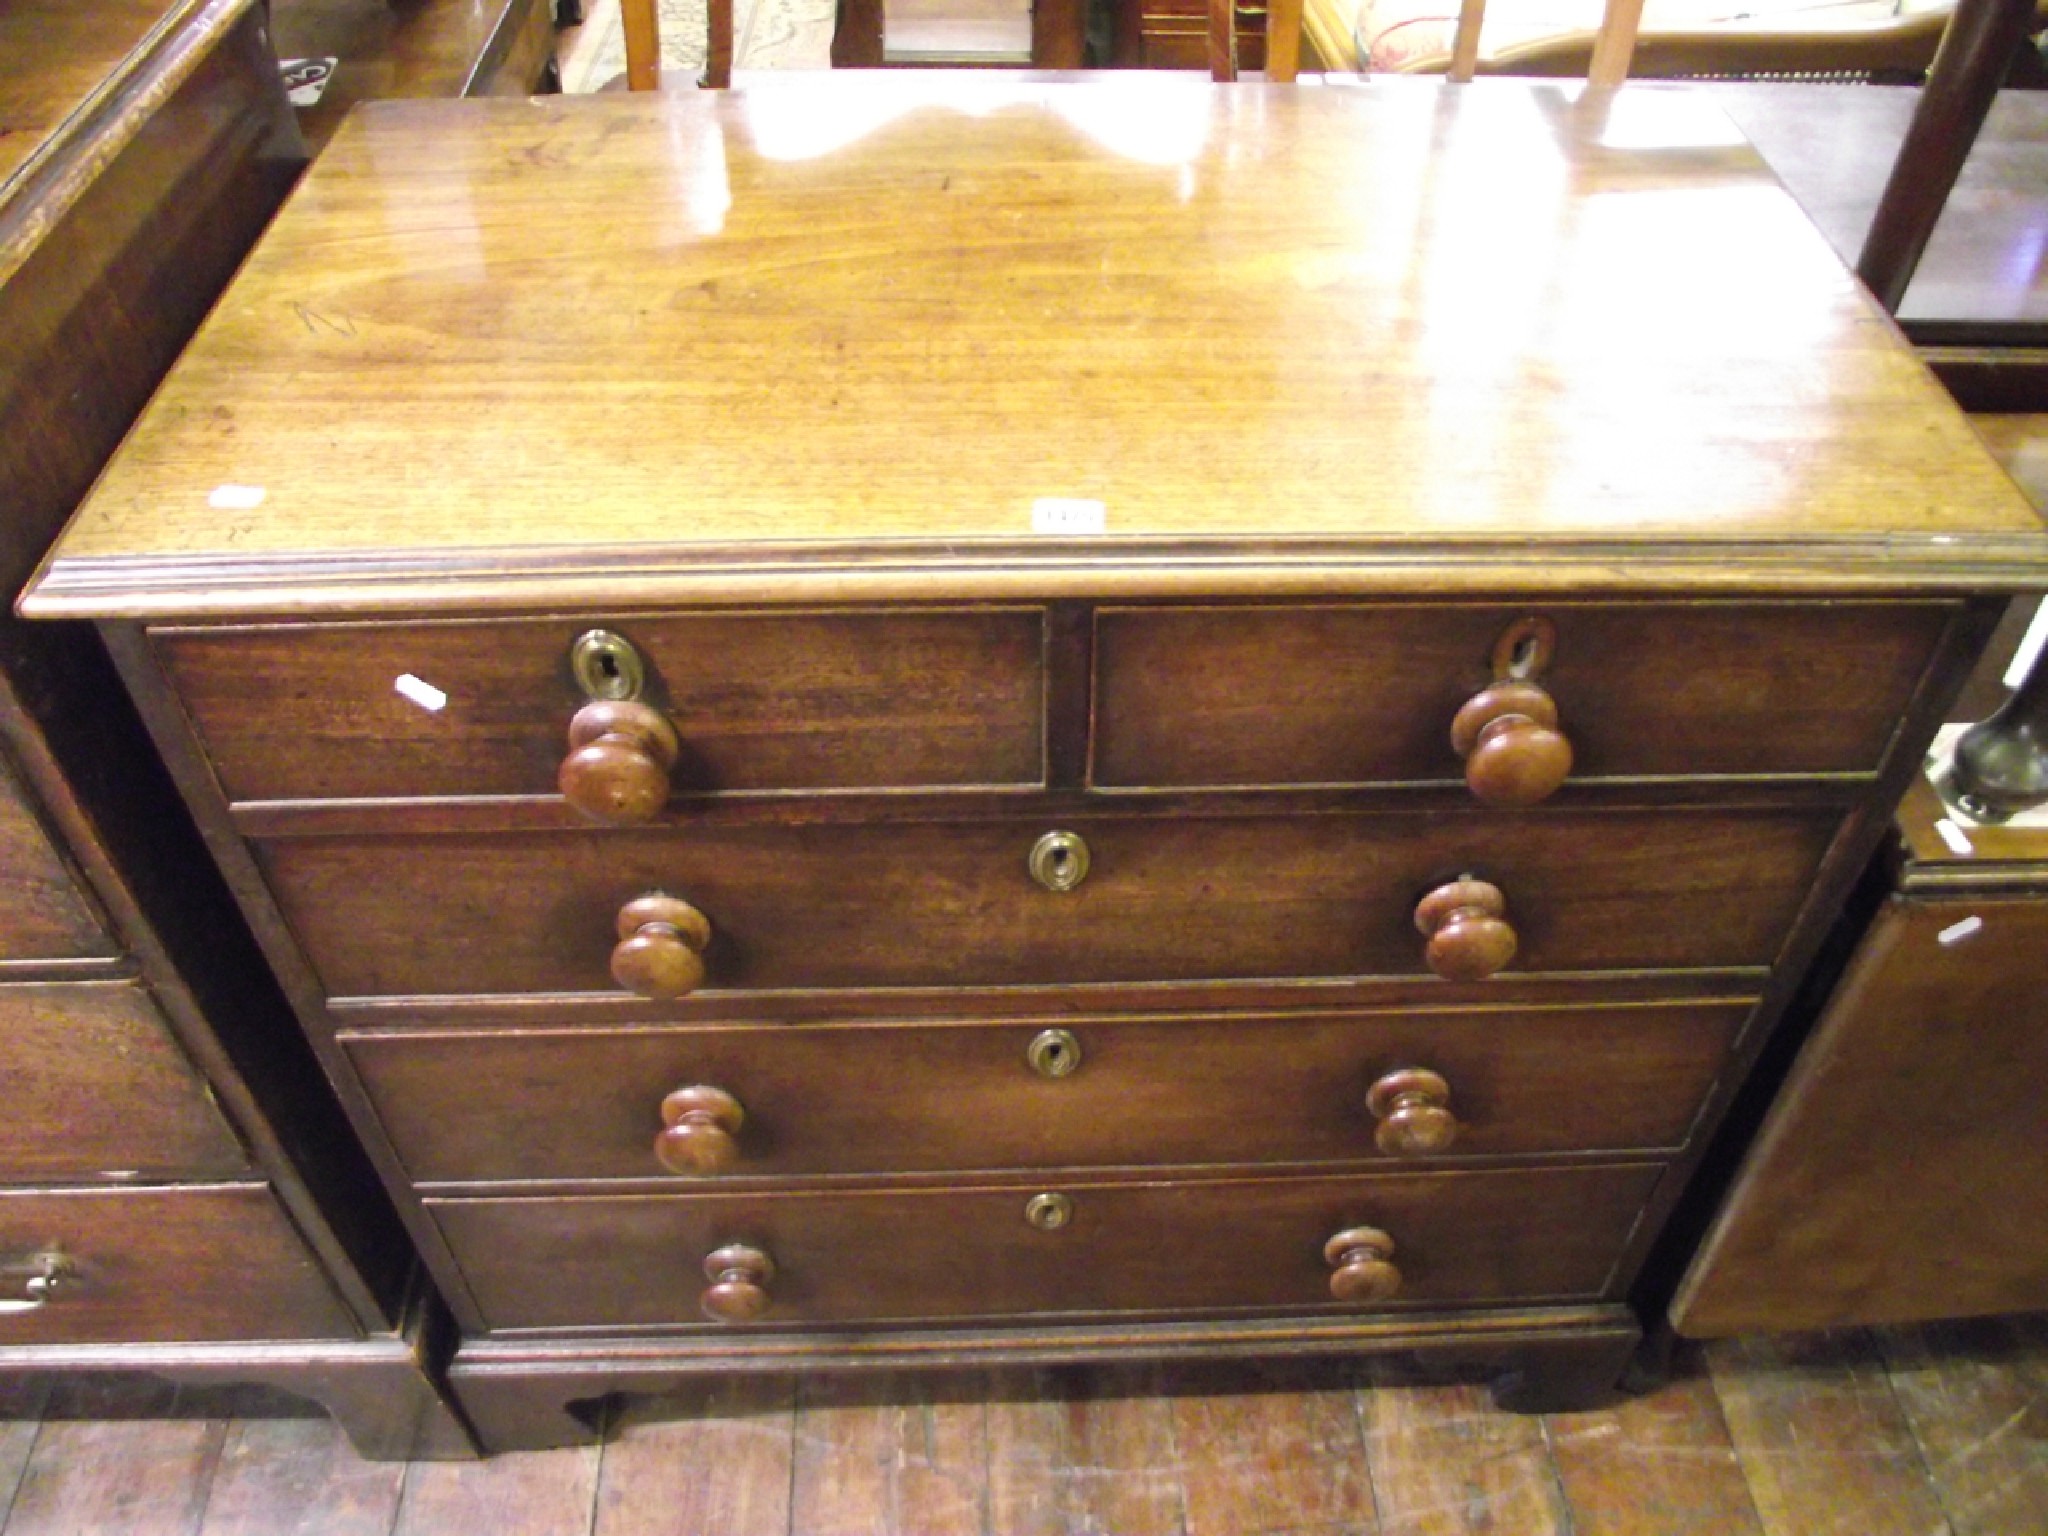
{"points": [[606, 666], [1049, 1212], [1054, 1053], [1059, 861]]}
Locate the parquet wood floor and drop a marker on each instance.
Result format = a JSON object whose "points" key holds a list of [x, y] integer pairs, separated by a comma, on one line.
{"points": [[1922, 1431]]}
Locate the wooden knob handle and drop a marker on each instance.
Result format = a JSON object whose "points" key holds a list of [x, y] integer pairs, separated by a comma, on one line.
{"points": [[620, 752], [1358, 1259], [660, 953], [739, 1278], [1465, 923], [700, 1131], [1413, 1107], [1514, 753]]}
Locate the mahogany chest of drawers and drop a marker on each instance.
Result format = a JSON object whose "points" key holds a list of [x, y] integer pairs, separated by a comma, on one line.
{"points": [[904, 721], [180, 1193]]}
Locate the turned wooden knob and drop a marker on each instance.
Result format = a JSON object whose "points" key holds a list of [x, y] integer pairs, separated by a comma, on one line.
{"points": [[739, 1278], [1358, 1259], [660, 953], [1465, 923], [1514, 753], [700, 1130], [620, 752], [1413, 1107]]}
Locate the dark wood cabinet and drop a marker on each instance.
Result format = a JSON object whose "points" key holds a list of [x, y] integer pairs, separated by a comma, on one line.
{"points": [[1902, 1172], [1076, 748], [179, 1191]]}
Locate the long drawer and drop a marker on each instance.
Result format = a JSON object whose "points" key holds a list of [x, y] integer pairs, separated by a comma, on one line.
{"points": [[44, 914], [97, 1088], [953, 904], [193, 1262], [872, 1099], [760, 701], [1345, 693], [637, 1261]]}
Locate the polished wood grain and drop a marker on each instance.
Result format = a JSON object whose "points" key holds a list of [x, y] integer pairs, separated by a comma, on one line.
{"points": [[852, 699], [587, 1104], [97, 1088], [181, 1262], [1153, 1247], [56, 54], [946, 904], [1282, 694], [913, 461], [1901, 1174], [44, 911]]}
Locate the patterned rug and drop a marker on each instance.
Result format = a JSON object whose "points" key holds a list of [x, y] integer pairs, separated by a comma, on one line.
{"points": [[767, 34]]}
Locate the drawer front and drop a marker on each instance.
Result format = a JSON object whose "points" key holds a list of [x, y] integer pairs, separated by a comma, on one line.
{"points": [[637, 1261], [953, 904], [1347, 694], [43, 913], [162, 1265], [586, 1104], [760, 701], [96, 1087]]}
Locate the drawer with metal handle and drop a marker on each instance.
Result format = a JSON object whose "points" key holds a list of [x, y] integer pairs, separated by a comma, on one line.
{"points": [[158, 1265]]}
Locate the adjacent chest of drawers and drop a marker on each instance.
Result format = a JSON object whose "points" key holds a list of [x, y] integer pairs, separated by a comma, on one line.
{"points": [[811, 829], [179, 1192]]}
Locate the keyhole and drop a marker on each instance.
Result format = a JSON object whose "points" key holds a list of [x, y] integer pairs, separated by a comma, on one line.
{"points": [[1059, 861], [1524, 659]]}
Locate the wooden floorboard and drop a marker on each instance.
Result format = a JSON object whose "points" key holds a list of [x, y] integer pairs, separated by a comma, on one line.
{"points": [[1660, 1463], [1824, 1443], [1921, 1430], [1444, 1462], [1976, 1397]]}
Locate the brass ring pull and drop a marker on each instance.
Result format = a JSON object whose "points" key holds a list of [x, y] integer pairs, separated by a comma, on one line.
{"points": [[53, 1273]]}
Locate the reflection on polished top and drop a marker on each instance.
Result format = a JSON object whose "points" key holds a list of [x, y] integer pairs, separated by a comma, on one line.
{"points": [[882, 334]]}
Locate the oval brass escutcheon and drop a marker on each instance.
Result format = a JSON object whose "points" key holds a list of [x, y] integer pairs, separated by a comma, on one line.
{"points": [[1059, 861], [1053, 1053], [606, 666], [1049, 1212], [1525, 648]]}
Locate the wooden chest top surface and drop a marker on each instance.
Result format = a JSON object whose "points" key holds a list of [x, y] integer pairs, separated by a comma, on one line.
{"points": [[838, 336], [56, 56]]}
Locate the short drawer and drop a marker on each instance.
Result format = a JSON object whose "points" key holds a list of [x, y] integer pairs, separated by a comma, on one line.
{"points": [[98, 1089], [44, 915], [1351, 694], [954, 904], [874, 1099], [1230, 1245], [759, 700], [158, 1265]]}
